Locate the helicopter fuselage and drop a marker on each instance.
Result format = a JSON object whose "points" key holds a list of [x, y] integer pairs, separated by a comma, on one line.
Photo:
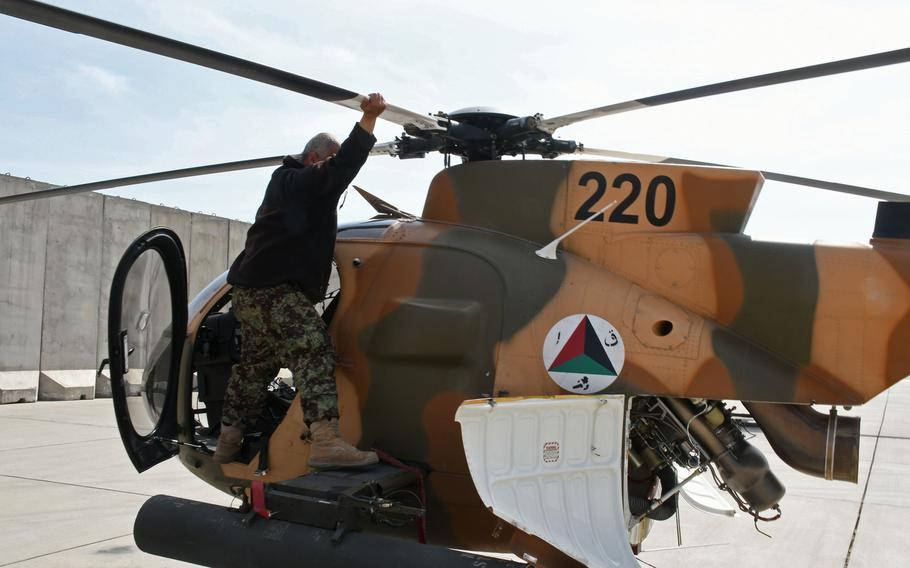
{"points": [[456, 305]]}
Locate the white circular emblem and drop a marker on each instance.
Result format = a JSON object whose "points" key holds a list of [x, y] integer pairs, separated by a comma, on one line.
{"points": [[583, 353]]}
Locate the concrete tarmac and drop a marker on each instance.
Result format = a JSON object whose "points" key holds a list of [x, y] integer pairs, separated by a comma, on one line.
{"points": [[68, 492], [69, 495]]}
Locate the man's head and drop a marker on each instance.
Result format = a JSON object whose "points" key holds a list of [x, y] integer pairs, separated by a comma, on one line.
{"points": [[320, 147]]}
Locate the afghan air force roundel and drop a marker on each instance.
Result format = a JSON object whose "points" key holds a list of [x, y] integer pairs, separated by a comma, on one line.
{"points": [[583, 353]]}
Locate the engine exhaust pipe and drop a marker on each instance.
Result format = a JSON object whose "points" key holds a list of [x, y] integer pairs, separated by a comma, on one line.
{"points": [[742, 466], [810, 441], [210, 535]]}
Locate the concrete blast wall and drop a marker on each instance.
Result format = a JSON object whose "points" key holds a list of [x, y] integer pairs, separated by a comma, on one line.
{"points": [[57, 258], [23, 240]]}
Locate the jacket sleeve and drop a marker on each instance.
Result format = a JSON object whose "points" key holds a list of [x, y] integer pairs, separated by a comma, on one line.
{"points": [[334, 175]]}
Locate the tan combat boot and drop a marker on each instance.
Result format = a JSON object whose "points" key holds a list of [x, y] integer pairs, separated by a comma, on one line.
{"points": [[229, 443], [329, 451]]}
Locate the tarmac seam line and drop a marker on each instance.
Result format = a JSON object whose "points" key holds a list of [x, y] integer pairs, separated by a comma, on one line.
{"points": [[889, 505], [58, 421], [686, 546], [859, 514], [808, 497], [64, 550], [75, 485], [885, 437], [59, 444]]}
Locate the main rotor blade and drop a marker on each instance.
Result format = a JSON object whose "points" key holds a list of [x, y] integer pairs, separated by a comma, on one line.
{"points": [[77, 23], [145, 178], [776, 78], [785, 178]]}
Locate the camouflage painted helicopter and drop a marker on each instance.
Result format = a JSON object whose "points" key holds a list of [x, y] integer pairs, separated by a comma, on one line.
{"points": [[538, 362]]}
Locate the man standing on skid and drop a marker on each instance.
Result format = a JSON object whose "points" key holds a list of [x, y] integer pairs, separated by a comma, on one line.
{"points": [[283, 270]]}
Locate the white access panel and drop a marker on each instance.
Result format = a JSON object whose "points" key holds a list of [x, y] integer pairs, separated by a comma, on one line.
{"points": [[553, 467]]}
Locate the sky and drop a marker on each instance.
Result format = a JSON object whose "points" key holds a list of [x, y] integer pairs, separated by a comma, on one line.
{"points": [[75, 109]]}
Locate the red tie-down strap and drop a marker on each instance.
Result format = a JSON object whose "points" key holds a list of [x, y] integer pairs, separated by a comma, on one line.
{"points": [[257, 491], [422, 523]]}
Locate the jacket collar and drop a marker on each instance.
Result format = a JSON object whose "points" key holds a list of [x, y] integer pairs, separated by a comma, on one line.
{"points": [[293, 161]]}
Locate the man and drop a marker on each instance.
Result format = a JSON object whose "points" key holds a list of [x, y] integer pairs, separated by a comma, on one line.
{"points": [[282, 271]]}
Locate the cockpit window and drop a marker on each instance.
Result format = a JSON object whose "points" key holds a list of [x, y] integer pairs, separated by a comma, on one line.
{"points": [[146, 318]]}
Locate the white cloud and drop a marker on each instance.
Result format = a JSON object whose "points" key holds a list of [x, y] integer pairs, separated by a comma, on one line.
{"points": [[100, 79], [219, 28]]}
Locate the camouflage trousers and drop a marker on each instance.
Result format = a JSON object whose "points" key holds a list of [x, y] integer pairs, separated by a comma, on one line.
{"points": [[280, 328]]}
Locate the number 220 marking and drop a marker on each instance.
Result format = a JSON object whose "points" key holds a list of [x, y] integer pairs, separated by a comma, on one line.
{"points": [[619, 214]]}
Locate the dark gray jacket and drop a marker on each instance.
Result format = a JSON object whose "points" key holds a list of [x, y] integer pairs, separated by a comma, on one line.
{"points": [[293, 237]]}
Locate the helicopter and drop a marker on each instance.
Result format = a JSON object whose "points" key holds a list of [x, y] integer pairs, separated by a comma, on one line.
{"points": [[543, 353]]}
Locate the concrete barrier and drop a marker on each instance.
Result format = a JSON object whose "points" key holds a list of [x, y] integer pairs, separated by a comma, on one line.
{"points": [[18, 386], [57, 258], [22, 261], [124, 220], [69, 339], [78, 384], [208, 251], [236, 239], [181, 222]]}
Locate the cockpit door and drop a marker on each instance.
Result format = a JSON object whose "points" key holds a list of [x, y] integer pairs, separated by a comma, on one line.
{"points": [[146, 333]]}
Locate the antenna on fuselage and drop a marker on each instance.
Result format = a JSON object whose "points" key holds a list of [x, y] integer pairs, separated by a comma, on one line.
{"points": [[549, 251]]}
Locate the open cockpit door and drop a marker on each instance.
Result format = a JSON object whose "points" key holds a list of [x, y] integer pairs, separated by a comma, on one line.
{"points": [[146, 332]]}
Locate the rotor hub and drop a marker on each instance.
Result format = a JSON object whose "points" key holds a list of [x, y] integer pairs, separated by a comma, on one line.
{"points": [[485, 133], [481, 117]]}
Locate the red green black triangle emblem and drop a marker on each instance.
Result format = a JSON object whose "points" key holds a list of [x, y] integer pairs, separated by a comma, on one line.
{"points": [[583, 353]]}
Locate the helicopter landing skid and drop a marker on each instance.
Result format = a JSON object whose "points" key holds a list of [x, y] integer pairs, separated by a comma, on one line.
{"points": [[554, 468]]}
